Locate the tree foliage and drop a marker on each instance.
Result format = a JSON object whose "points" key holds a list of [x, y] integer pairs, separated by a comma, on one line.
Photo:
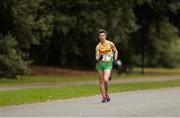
{"points": [[64, 32], [22, 24], [12, 60]]}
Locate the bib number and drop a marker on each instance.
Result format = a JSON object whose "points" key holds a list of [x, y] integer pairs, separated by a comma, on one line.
{"points": [[106, 57]]}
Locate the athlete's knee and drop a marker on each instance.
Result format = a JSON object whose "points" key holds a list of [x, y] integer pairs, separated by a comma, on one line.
{"points": [[106, 79]]}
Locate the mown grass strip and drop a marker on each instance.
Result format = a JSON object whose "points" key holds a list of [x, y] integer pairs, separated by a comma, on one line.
{"points": [[61, 79], [157, 71], [135, 73], [44, 79], [16, 97]]}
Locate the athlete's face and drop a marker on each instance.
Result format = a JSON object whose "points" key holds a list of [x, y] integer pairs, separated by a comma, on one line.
{"points": [[102, 36]]}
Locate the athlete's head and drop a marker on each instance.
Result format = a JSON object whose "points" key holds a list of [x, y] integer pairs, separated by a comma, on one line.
{"points": [[102, 34]]}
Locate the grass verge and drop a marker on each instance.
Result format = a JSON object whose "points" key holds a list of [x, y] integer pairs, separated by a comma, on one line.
{"points": [[62, 79], [16, 97], [157, 71]]}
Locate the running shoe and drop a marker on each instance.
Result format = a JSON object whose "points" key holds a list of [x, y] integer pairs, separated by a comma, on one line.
{"points": [[108, 98], [103, 100]]}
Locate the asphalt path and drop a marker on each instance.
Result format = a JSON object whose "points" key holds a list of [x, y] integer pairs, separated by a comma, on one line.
{"points": [[147, 103]]}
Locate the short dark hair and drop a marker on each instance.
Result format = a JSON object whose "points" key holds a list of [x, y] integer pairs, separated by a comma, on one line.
{"points": [[102, 31]]}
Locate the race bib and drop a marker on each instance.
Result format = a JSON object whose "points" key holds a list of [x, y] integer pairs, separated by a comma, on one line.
{"points": [[106, 57]]}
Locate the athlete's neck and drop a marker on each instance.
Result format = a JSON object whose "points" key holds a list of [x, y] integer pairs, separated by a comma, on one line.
{"points": [[103, 41]]}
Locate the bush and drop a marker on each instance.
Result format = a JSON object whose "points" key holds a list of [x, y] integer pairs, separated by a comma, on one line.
{"points": [[12, 61]]}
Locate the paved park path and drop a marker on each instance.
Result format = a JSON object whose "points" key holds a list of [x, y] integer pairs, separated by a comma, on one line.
{"points": [[147, 103], [57, 85]]}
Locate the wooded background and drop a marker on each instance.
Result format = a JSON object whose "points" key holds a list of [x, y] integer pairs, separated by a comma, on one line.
{"points": [[63, 33]]}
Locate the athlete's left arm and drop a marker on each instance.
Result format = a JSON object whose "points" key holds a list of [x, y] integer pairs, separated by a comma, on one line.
{"points": [[115, 50]]}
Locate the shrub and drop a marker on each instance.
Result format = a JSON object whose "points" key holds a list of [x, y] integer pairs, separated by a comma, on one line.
{"points": [[12, 60]]}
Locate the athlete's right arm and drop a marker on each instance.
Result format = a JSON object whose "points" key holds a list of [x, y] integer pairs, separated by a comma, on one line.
{"points": [[97, 53]]}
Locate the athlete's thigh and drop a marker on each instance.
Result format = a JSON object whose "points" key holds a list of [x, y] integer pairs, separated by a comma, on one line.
{"points": [[107, 74], [101, 75]]}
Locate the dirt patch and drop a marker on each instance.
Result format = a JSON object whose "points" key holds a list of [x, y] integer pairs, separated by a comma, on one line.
{"points": [[52, 71]]}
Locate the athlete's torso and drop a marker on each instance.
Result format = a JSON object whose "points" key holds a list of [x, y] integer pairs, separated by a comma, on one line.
{"points": [[105, 50]]}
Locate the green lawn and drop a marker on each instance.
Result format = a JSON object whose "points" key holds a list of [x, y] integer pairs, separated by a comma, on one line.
{"points": [[15, 97], [136, 73], [157, 71], [60, 79]]}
